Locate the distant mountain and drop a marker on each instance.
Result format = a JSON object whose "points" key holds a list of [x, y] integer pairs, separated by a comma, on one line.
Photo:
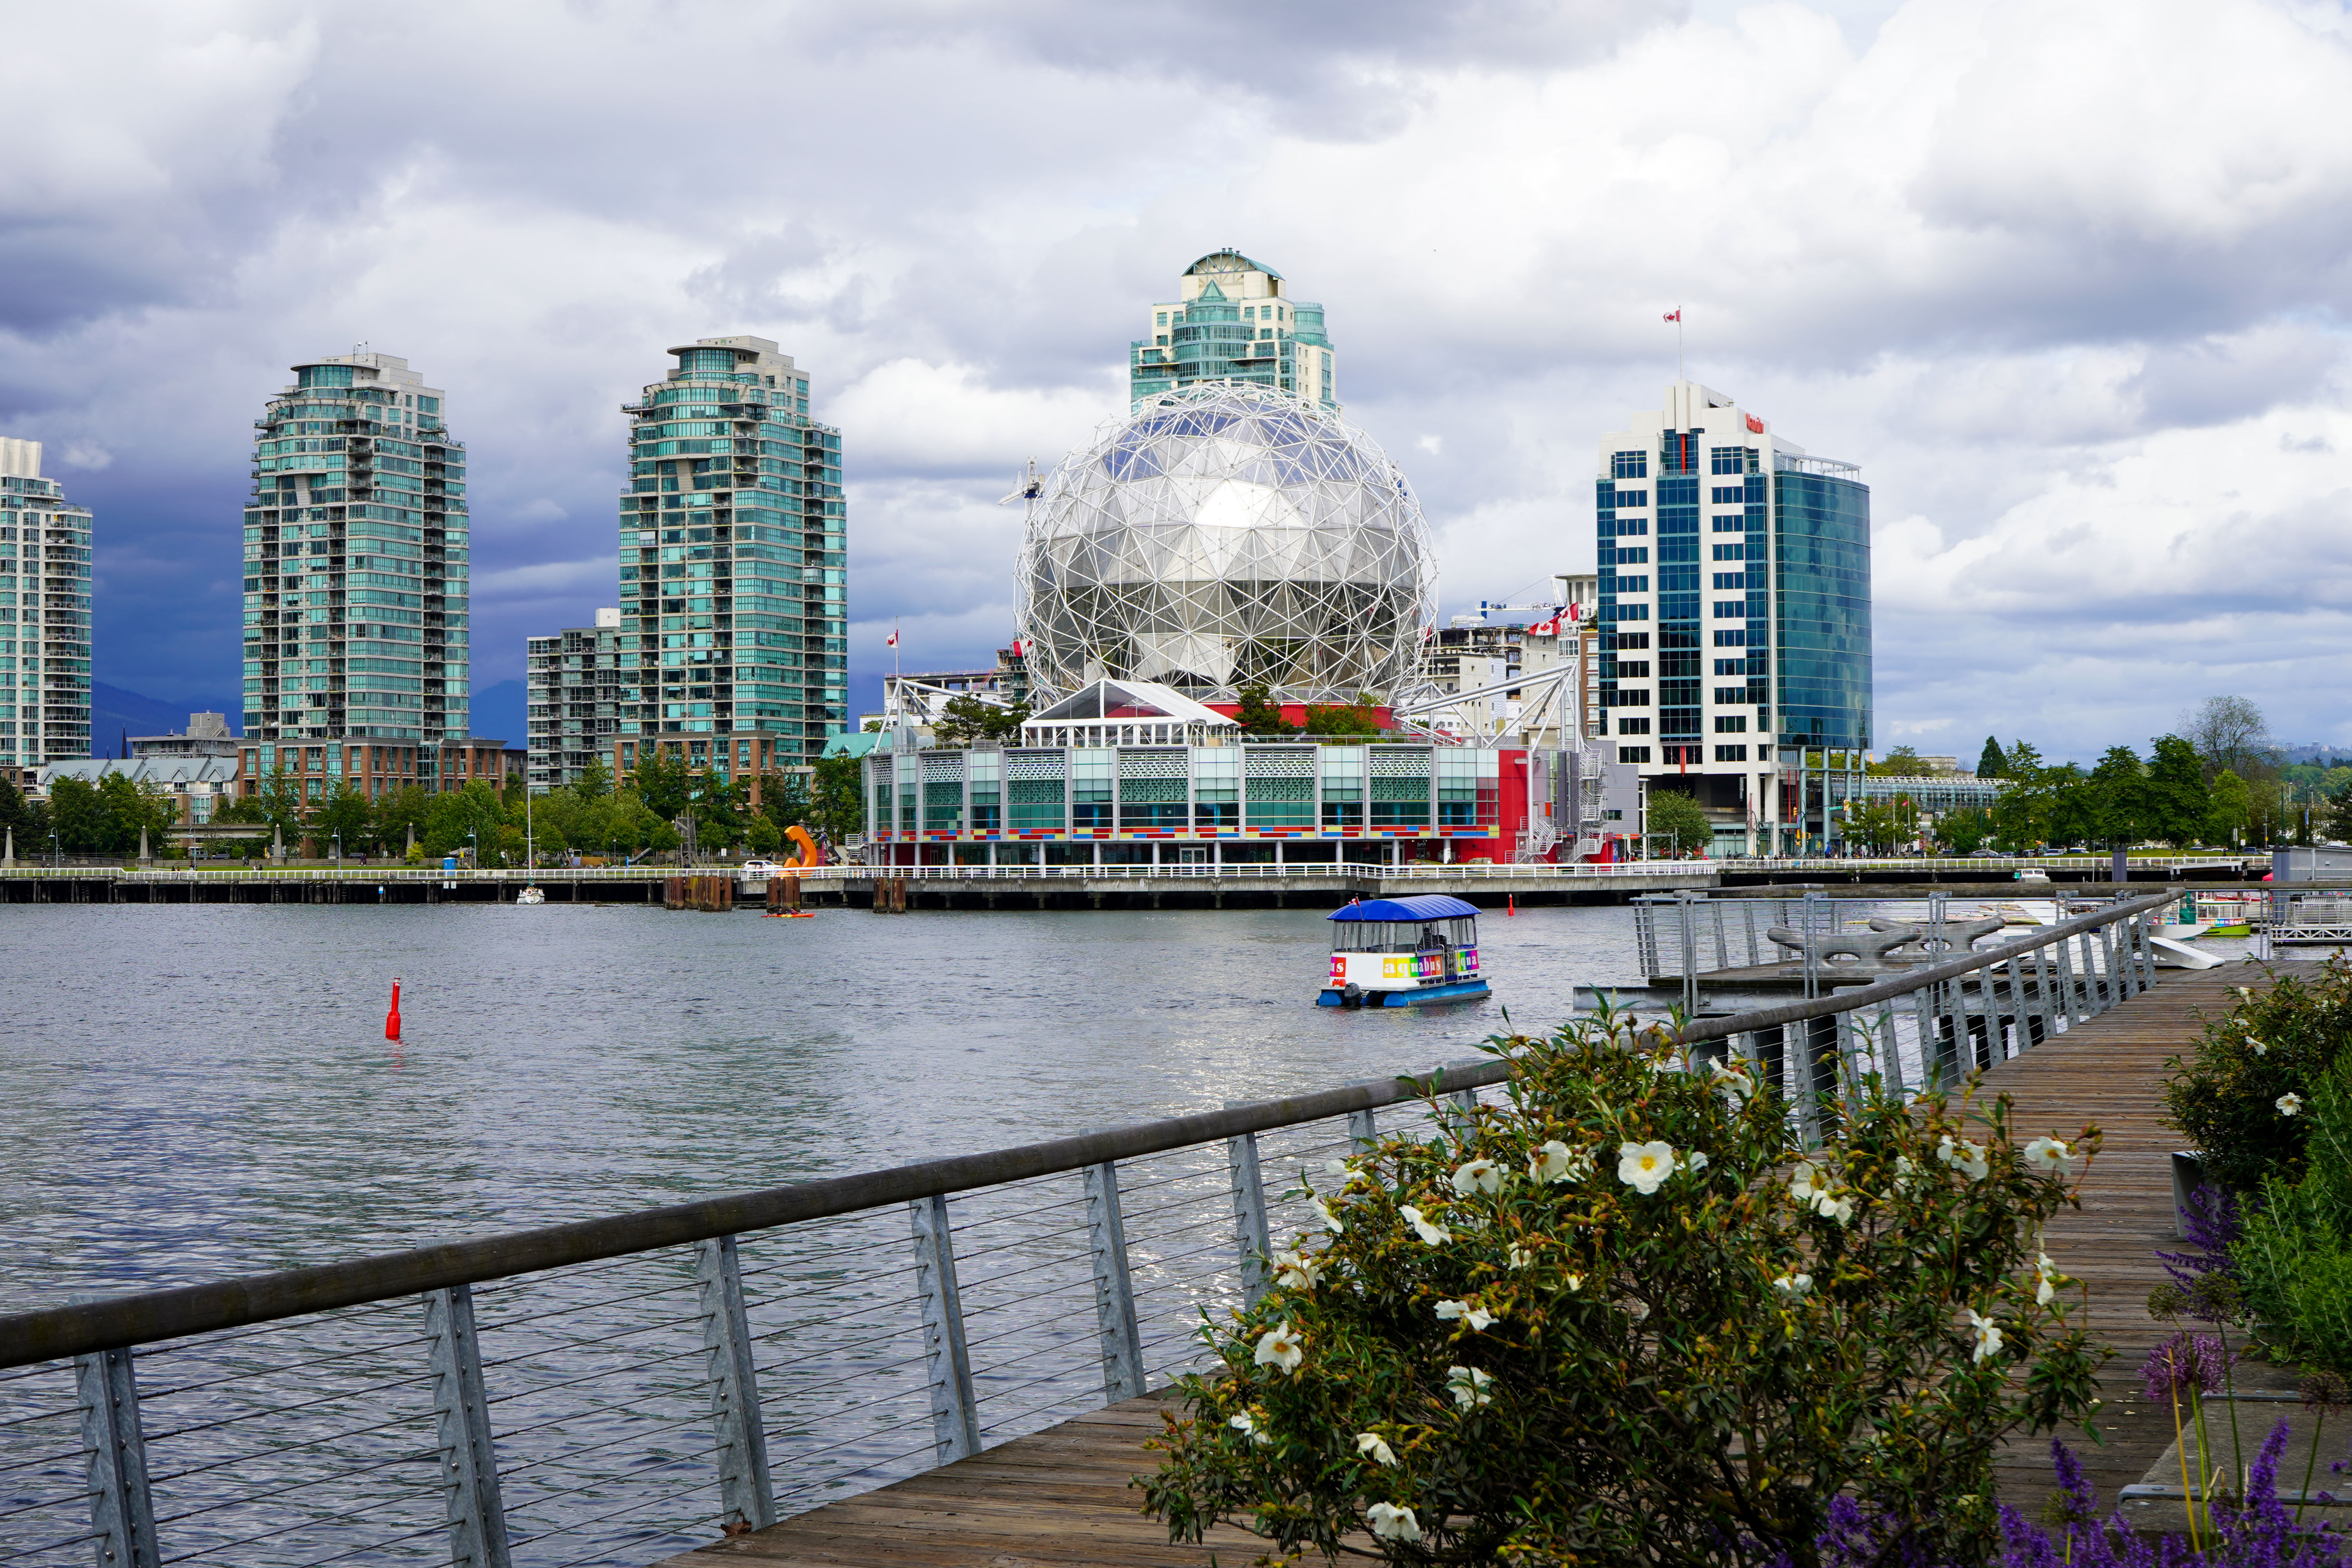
{"points": [[115, 713], [500, 713]]}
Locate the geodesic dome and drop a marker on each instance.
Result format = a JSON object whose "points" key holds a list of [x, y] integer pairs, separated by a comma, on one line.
{"points": [[1222, 536]]}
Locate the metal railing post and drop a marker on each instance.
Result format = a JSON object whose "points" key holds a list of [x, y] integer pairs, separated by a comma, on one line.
{"points": [[1251, 1241], [2144, 921], [461, 1416], [1122, 1340], [1362, 1130], [1890, 1067], [955, 1416], [121, 1514], [2064, 961], [746, 1495], [2045, 992], [1933, 1070]]}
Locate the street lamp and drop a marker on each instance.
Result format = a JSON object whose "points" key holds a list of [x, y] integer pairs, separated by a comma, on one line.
{"points": [[474, 849], [338, 837]]}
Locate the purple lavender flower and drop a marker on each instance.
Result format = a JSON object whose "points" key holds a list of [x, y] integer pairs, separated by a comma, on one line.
{"points": [[2182, 1365], [2210, 1226]]}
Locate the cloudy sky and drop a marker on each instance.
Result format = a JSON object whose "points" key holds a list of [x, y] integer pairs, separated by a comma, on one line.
{"points": [[2067, 278]]}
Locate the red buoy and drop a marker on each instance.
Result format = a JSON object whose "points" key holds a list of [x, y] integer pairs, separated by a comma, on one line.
{"points": [[1511, 905], [392, 1019]]}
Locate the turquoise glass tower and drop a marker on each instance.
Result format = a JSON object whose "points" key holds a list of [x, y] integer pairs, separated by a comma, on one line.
{"points": [[44, 544], [734, 584], [356, 565], [1234, 320]]}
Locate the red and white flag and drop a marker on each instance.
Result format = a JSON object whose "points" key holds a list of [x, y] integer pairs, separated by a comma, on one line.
{"points": [[892, 640], [1675, 314]]}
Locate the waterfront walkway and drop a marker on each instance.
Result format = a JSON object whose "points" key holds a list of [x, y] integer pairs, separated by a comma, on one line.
{"points": [[1061, 1497]]}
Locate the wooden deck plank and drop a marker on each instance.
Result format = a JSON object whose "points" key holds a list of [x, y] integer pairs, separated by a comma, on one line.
{"points": [[1061, 1497]]}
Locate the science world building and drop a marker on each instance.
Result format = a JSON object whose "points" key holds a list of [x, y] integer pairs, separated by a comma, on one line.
{"points": [[1226, 536]]}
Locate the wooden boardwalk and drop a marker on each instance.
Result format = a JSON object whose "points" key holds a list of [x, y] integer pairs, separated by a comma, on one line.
{"points": [[1062, 1496]]}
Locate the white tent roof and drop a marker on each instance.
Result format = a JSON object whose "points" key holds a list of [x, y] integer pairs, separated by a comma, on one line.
{"points": [[1101, 697]]}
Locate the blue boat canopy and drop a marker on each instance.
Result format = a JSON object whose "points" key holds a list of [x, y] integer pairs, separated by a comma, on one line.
{"points": [[1420, 907]]}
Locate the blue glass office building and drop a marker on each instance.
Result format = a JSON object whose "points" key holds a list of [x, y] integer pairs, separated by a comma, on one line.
{"points": [[1234, 320], [1735, 615]]}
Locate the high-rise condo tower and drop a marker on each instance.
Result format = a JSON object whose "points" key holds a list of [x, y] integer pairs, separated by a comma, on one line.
{"points": [[44, 616], [734, 647], [1735, 615], [356, 544], [1234, 320]]}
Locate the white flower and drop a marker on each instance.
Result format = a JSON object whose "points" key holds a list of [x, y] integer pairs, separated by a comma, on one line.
{"points": [[1282, 1347], [1331, 1222], [1556, 1162], [1373, 1443], [1576, 1281], [1906, 1175], [2046, 1272], [1298, 1270], [1642, 1166], [1392, 1522], [1521, 1257], [1837, 1205], [1988, 1335], [1468, 1385], [1966, 1157], [1243, 1424], [1793, 1284], [1478, 1176], [1807, 1182], [2289, 1104], [1733, 1082], [2051, 1156], [1431, 1233], [1470, 1312], [2243, 990], [1335, 1167], [2256, 1046], [1696, 1161]]}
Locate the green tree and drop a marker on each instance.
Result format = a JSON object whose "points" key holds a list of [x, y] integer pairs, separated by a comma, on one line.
{"points": [[1993, 763], [1963, 832], [28, 819], [139, 807], [784, 799], [399, 814], [2178, 805], [837, 799], [2231, 807], [2230, 734], [595, 780], [2024, 814], [345, 811], [662, 781], [1903, 761], [963, 719], [2118, 786], [762, 837], [1679, 821], [470, 818], [2073, 818], [1259, 713], [1345, 719], [82, 816], [1882, 826]]}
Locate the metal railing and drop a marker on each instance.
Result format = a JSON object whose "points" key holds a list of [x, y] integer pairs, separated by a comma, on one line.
{"points": [[614, 1390]]}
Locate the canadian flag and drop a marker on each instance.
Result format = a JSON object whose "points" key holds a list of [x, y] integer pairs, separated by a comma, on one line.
{"points": [[892, 640], [1675, 314]]}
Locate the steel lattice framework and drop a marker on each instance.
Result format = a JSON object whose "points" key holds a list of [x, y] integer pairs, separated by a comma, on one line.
{"points": [[1223, 536]]}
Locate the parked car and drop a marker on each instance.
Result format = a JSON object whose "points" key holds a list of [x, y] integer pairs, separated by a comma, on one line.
{"points": [[757, 871]]}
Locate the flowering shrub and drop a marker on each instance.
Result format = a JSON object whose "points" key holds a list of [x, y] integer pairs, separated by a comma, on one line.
{"points": [[2295, 1255], [2240, 1097], [1622, 1318]]}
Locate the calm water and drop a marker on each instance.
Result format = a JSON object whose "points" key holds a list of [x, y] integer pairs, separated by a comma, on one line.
{"points": [[199, 1091]]}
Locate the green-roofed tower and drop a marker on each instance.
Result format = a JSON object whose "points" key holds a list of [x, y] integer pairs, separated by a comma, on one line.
{"points": [[1234, 320]]}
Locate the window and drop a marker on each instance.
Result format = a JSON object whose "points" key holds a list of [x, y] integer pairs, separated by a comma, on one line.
{"points": [[1730, 609], [1731, 723], [1628, 696], [1678, 452], [1734, 459], [1635, 584], [1728, 524], [1732, 553], [1625, 612], [1160, 320], [1632, 754], [1633, 726], [1730, 639], [1633, 554], [1731, 754], [1249, 313], [1727, 495], [1629, 466], [1730, 693], [1636, 526], [1626, 640], [1633, 670], [1729, 666], [1731, 583], [1631, 499]]}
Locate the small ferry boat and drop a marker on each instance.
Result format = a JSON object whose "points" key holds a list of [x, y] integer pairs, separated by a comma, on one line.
{"points": [[1398, 953]]}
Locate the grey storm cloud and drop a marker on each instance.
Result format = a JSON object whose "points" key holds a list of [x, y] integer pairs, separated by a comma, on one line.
{"points": [[2067, 277]]}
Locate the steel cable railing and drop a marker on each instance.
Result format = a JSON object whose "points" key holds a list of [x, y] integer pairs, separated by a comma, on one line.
{"points": [[609, 1392]]}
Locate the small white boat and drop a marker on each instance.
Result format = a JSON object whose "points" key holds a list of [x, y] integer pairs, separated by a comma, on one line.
{"points": [[1401, 952], [530, 895]]}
